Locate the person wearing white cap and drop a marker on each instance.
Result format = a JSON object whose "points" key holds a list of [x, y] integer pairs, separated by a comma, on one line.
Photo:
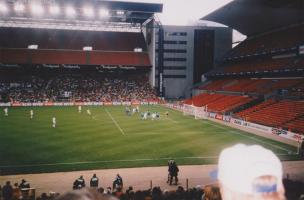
{"points": [[250, 172]]}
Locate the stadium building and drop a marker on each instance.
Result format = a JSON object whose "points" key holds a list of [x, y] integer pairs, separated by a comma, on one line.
{"points": [[188, 53], [102, 89]]}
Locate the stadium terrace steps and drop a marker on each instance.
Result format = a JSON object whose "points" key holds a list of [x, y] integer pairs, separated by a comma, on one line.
{"points": [[255, 108], [296, 125], [25, 56], [258, 86], [71, 39], [276, 113], [218, 102], [288, 38], [260, 65]]}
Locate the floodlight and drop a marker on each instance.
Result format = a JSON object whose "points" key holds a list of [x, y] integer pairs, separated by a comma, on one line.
{"points": [[88, 48], [120, 12], [3, 8], [37, 9], [88, 11], [19, 7], [70, 11], [32, 46], [54, 9], [103, 12]]}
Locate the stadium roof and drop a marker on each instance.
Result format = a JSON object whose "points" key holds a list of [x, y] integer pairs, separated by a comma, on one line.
{"points": [[251, 17], [91, 13]]}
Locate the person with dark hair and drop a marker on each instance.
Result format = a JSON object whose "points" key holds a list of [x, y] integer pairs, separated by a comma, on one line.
{"points": [[169, 166], [212, 192], [94, 181], [16, 192], [7, 191], [117, 183], [79, 183], [24, 184], [86, 194], [173, 171]]}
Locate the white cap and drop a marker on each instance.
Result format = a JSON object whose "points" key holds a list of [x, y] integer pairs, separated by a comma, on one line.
{"points": [[240, 165]]}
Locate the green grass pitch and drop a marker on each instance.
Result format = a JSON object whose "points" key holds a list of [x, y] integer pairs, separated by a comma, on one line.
{"points": [[110, 139]]}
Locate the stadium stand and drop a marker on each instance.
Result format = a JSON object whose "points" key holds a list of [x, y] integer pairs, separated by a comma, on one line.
{"points": [[75, 87], [289, 38], [286, 114], [254, 85], [218, 102], [66, 47], [260, 57], [263, 65], [71, 39]]}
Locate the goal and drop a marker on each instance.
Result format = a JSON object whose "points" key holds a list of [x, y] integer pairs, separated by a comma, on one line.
{"points": [[197, 112]]}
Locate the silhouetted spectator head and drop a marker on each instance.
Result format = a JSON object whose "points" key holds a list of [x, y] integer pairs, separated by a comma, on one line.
{"points": [[85, 194], [212, 193], [250, 172]]}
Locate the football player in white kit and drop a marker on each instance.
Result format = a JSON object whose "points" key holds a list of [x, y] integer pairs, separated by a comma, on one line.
{"points": [[79, 109], [31, 114], [6, 112], [54, 122]]}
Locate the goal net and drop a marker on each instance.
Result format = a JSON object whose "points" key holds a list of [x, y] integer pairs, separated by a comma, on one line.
{"points": [[197, 112], [188, 109], [200, 112]]}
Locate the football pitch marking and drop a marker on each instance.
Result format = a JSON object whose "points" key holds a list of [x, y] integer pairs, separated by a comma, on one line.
{"points": [[250, 137], [113, 161], [115, 122], [172, 120]]}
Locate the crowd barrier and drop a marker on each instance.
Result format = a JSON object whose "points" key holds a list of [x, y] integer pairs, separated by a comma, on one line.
{"points": [[110, 103], [248, 125]]}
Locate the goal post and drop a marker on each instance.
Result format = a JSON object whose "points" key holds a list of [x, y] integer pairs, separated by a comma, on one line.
{"points": [[188, 109], [200, 113], [197, 112]]}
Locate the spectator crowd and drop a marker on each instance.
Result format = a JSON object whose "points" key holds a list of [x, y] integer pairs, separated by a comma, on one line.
{"points": [[77, 88]]}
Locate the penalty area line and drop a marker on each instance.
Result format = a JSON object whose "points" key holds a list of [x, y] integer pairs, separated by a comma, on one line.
{"points": [[115, 122]]}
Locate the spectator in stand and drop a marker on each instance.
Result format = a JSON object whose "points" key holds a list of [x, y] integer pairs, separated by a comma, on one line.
{"points": [[24, 184], [86, 194], [7, 191], [16, 192], [94, 181], [77, 88], [250, 172], [212, 192]]}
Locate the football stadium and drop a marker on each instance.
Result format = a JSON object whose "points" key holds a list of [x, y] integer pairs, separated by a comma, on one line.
{"points": [[103, 99]]}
